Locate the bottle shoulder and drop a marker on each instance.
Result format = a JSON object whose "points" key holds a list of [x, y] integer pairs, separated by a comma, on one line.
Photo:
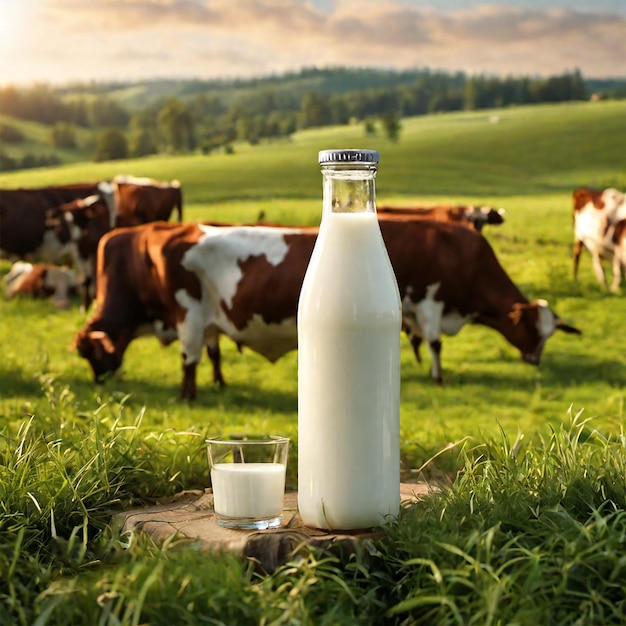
{"points": [[350, 281]]}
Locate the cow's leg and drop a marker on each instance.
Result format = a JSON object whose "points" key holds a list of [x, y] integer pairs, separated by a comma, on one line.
{"points": [[617, 273], [429, 320], [188, 390], [414, 338], [578, 248], [191, 334], [435, 352], [597, 268], [87, 298], [416, 341], [61, 288], [215, 356], [90, 288]]}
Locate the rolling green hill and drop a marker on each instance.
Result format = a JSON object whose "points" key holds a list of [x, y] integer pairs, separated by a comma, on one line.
{"points": [[38, 142], [513, 151]]}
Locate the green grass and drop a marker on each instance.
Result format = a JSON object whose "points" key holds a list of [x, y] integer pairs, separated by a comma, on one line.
{"points": [[530, 526]]}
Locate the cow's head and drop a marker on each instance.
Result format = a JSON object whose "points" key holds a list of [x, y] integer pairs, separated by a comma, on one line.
{"points": [[61, 225], [583, 196], [88, 220], [481, 215], [614, 201], [96, 346], [533, 323]]}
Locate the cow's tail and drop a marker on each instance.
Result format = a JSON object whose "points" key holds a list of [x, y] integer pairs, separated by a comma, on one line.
{"points": [[179, 199]]}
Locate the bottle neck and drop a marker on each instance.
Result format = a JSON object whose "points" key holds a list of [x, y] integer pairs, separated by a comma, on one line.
{"points": [[349, 189]]}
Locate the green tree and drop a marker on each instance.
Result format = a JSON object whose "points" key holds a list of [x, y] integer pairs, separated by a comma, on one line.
{"points": [[288, 124], [111, 145], [142, 143], [63, 135], [247, 130], [204, 105], [143, 134], [176, 126], [105, 112], [340, 113], [392, 126], [315, 110]]}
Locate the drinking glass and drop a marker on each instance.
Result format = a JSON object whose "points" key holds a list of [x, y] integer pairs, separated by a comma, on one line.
{"points": [[248, 480]]}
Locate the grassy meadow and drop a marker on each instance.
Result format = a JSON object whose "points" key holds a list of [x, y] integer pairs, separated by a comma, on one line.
{"points": [[531, 522]]}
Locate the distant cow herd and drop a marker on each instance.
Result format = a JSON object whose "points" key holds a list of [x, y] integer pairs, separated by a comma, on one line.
{"points": [[65, 223], [195, 282]]}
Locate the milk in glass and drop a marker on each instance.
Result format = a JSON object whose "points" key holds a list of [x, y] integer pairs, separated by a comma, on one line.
{"points": [[250, 490], [349, 323]]}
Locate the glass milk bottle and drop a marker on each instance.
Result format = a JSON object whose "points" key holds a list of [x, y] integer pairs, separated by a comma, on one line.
{"points": [[349, 322]]}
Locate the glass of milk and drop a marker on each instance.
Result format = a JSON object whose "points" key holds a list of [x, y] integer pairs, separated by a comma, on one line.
{"points": [[248, 480]]}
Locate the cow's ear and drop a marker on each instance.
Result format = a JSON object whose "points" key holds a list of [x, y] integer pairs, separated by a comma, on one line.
{"points": [[517, 312], [77, 342], [100, 338], [566, 328]]}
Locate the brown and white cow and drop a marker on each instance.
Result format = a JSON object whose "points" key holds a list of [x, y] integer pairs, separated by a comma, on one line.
{"points": [[143, 200], [198, 281], [82, 222], [29, 221], [24, 233], [41, 280], [470, 215], [23, 212], [595, 214], [64, 223]]}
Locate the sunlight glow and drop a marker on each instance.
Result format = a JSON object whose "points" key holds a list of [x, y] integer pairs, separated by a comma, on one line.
{"points": [[12, 22]]}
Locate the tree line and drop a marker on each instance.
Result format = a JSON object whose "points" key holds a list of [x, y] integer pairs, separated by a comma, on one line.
{"points": [[208, 120]]}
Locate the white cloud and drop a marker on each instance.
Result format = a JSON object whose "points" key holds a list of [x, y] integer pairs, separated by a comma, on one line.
{"points": [[124, 39]]}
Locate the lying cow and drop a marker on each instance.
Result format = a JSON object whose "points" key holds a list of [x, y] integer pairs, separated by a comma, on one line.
{"points": [[42, 280], [475, 216], [595, 215], [198, 281]]}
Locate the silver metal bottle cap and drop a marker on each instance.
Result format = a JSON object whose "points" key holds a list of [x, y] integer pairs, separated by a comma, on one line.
{"points": [[328, 157]]}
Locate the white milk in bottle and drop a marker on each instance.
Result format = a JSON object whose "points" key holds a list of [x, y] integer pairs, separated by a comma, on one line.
{"points": [[349, 322]]}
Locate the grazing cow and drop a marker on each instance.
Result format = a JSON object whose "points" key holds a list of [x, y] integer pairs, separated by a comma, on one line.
{"points": [[130, 200], [64, 223], [595, 214], [476, 216], [83, 222], [143, 200], [23, 213], [43, 280], [198, 281]]}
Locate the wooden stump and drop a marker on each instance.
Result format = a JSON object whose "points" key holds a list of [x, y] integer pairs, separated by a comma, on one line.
{"points": [[189, 515]]}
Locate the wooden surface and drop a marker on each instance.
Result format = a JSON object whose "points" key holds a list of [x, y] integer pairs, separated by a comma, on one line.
{"points": [[189, 515]]}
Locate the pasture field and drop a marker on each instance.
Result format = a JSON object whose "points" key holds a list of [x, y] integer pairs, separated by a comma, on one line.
{"points": [[531, 524]]}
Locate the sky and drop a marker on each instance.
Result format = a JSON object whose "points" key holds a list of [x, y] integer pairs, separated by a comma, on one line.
{"points": [[63, 41]]}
